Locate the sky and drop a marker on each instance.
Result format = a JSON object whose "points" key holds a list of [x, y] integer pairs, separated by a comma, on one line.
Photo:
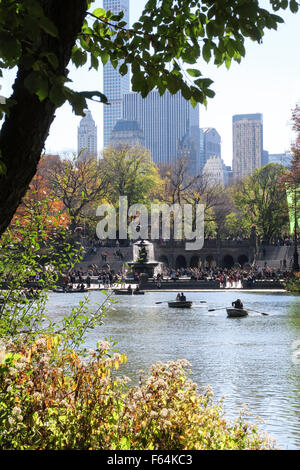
{"points": [[267, 81]]}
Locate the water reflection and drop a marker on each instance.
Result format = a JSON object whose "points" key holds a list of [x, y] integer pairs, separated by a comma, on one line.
{"points": [[247, 359]]}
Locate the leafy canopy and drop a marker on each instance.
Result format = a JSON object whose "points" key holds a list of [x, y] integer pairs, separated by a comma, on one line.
{"points": [[162, 48], [261, 199]]}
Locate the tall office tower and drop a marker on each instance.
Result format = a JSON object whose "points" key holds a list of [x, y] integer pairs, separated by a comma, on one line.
{"points": [[211, 143], [247, 133], [87, 137], [165, 121], [114, 84]]}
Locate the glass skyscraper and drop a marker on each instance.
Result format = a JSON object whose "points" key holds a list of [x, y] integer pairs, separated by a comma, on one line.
{"points": [[165, 120], [114, 84]]}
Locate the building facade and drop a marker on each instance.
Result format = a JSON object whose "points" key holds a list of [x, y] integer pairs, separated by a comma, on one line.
{"points": [[127, 133], [247, 140], [87, 137], [213, 171], [281, 158], [114, 84], [165, 120]]}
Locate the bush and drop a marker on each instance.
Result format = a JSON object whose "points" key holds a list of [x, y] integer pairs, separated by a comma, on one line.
{"points": [[293, 284], [50, 398]]}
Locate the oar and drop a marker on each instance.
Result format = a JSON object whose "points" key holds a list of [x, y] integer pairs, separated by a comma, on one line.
{"points": [[223, 308], [256, 311], [165, 301]]}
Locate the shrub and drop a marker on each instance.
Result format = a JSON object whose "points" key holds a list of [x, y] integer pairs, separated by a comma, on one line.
{"points": [[50, 398], [293, 284]]}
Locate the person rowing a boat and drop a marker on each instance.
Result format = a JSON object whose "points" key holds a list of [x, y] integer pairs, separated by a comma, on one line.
{"points": [[238, 304]]}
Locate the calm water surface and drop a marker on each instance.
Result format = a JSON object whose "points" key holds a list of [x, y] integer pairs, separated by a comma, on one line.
{"points": [[249, 360]]}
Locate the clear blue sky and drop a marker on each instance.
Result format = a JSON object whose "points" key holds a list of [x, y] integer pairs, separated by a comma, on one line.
{"points": [[267, 81]]}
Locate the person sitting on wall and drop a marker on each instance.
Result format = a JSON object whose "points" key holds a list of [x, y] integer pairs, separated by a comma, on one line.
{"points": [[238, 304]]}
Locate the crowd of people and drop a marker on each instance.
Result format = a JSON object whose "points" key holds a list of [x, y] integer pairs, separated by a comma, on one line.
{"points": [[227, 277]]}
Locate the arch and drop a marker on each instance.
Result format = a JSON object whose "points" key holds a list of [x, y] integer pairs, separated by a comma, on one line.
{"points": [[180, 262], [195, 261], [242, 259], [164, 259], [228, 261], [210, 261]]}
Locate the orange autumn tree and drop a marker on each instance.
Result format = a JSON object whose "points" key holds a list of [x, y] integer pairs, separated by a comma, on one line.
{"points": [[40, 203]]}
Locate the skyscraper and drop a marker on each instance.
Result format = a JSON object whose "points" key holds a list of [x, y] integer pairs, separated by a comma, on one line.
{"points": [[87, 137], [114, 84], [211, 143], [165, 120], [247, 133]]}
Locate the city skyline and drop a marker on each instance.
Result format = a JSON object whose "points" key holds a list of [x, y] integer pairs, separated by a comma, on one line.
{"points": [[267, 81]]}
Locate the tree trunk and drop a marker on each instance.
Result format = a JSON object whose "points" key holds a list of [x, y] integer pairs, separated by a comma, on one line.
{"points": [[26, 128]]}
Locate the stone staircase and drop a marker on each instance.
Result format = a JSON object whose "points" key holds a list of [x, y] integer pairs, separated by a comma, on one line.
{"points": [[274, 256], [114, 262]]}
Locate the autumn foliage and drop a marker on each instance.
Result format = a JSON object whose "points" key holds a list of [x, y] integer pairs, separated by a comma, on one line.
{"points": [[41, 201], [50, 398]]}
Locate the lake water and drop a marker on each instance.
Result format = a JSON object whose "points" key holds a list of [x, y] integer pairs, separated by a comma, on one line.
{"points": [[250, 360]]}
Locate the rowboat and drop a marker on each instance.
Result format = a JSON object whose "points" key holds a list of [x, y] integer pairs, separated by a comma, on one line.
{"points": [[236, 312], [69, 291], [126, 292], [180, 304]]}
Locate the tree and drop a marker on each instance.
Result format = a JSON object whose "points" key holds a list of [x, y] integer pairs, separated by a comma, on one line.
{"points": [[129, 172], [80, 186], [40, 37], [177, 181], [262, 200], [40, 203]]}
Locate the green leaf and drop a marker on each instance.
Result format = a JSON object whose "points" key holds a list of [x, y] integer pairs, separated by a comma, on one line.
{"points": [[57, 95], [123, 69], [10, 48], [36, 83], [206, 52], [294, 6], [99, 12], [79, 57], [194, 72]]}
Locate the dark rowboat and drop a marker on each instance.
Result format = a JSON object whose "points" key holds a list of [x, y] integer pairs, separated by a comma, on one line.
{"points": [[236, 312], [180, 304], [126, 292]]}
